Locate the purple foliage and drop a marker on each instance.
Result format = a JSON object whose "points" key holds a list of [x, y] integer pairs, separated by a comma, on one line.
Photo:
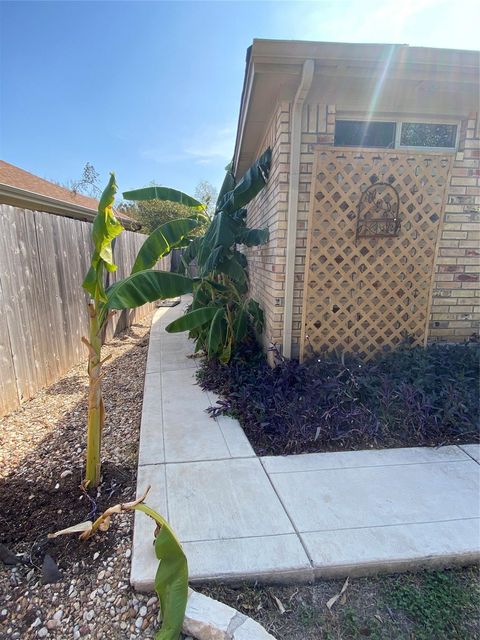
{"points": [[410, 397]]}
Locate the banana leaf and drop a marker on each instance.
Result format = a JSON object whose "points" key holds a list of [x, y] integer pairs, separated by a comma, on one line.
{"points": [[240, 324], [211, 263], [146, 286], [217, 332], [249, 186], [189, 254], [105, 228], [233, 269], [166, 237], [252, 237], [241, 258], [164, 193], [171, 579], [226, 353], [228, 182], [202, 296], [220, 233], [192, 320], [255, 313]]}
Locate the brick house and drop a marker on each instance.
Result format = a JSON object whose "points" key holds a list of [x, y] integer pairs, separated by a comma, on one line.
{"points": [[374, 195]]}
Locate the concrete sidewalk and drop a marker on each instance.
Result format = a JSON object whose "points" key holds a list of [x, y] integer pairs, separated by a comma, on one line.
{"points": [[288, 518]]}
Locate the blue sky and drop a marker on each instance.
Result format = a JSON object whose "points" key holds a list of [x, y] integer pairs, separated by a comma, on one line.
{"points": [[152, 89]]}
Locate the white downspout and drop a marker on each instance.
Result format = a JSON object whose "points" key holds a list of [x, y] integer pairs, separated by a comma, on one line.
{"points": [[292, 210]]}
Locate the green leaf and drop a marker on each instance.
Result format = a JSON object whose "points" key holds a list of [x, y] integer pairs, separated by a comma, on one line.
{"points": [[216, 334], [147, 286], [171, 579], [252, 237], [215, 285], [164, 193], [202, 297], [105, 226], [220, 233], [240, 324], [212, 261], [233, 270], [226, 353], [255, 313], [228, 183], [161, 241], [104, 229], [249, 186], [189, 254], [192, 320]]}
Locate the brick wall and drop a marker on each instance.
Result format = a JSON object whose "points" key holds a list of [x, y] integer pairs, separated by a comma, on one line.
{"points": [[318, 128], [266, 264], [455, 313]]}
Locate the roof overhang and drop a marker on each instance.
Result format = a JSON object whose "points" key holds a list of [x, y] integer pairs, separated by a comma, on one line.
{"points": [[38, 202], [274, 67]]}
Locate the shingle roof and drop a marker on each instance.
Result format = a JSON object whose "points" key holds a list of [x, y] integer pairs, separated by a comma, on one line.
{"points": [[19, 178]]}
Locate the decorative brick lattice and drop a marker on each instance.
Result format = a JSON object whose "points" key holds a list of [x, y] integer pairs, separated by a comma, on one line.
{"points": [[365, 297]]}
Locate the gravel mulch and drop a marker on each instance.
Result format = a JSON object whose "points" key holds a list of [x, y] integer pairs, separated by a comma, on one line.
{"points": [[42, 451]]}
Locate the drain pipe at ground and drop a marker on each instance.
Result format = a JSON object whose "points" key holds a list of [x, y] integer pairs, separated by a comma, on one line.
{"points": [[292, 210]]}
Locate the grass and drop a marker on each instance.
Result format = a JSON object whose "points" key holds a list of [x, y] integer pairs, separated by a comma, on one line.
{"points": [[428, 605]]}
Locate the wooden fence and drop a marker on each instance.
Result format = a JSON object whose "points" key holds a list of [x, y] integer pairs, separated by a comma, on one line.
{"points": [[43, 260]]}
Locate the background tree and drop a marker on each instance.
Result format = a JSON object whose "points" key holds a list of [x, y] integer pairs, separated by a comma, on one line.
{"points": [[152, 213], [89, 182], [208, 194]]}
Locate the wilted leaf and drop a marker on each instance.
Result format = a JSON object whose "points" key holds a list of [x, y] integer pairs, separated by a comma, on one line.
{"points": [[336, 597], [105, 524], [279, 604], [76, 528]]}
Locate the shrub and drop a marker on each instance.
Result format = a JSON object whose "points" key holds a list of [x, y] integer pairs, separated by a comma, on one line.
{"points": [[410, 397]]}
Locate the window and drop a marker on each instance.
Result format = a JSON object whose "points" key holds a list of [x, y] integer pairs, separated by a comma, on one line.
{"points": [[422, 134], [394, 134], [355, 133]]}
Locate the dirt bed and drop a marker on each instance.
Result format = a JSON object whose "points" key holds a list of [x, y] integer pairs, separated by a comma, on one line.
{"points": [[42, 451], [440, 605]]}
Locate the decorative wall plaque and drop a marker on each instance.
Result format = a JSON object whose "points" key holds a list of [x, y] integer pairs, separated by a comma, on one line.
{"points": [[378, 212]]}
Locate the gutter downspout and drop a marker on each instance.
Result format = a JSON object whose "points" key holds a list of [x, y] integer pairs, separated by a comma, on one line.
{"points": [[292, 210]]}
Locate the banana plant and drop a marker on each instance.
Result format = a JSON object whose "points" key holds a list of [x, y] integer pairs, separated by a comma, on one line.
{"points": [[142, 285], [221, 313], [171, 578]]}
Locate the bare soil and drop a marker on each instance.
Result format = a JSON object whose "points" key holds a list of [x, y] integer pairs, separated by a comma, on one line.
{"points": [[42, 452]]}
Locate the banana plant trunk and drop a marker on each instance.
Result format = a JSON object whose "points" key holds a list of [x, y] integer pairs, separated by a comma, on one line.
{"points": [[96, 410]]}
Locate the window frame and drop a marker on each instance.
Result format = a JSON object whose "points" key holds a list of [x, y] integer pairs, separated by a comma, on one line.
{"points": [[398, 121], [371, 120], [407, 147]]}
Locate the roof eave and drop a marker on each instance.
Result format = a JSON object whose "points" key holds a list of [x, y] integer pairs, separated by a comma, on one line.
{"points": [[29, 200], [287, 56]]}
